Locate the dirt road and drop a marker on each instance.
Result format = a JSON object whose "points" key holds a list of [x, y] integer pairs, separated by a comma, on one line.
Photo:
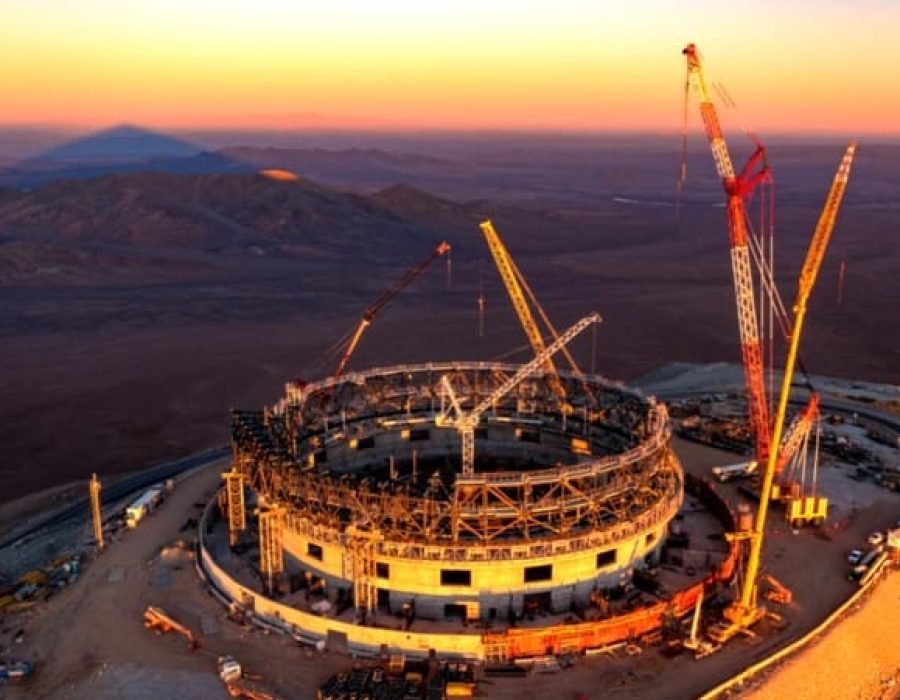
{"points": [[88, 641], [93, 629]]}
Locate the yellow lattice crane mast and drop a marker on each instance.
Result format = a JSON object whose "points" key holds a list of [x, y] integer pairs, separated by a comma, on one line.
{"points": [[96, 510], [517, 288], [745, 612]]}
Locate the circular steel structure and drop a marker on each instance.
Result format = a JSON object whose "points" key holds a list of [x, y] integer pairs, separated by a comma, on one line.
{"points": [[566, 496]]}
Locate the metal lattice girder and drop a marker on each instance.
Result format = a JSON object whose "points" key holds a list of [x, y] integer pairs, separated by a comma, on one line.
{"points": [[365, 592], [271, 542], [96, 511], [271, 451], [234, 490]]}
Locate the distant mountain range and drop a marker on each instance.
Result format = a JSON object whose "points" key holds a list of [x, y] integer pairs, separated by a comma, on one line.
{"points": [[113, 222], [129, 148], [217, 212]]}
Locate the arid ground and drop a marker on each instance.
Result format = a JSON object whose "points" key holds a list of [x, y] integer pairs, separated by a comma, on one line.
{"points": [[137, 308]]}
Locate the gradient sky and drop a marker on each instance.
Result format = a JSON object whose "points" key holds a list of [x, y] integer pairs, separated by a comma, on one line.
{"points": [[790, 65]]}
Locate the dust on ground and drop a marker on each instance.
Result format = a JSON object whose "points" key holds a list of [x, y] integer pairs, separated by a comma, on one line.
{"points": [[858, 658], [88, 641]]}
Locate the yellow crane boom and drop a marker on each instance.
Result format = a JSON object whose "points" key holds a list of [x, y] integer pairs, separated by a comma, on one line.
{"points": [[514, 283], [745, 611]]}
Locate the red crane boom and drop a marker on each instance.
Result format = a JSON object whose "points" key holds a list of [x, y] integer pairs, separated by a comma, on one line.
{"points": [[370, 313], [737, 188]]}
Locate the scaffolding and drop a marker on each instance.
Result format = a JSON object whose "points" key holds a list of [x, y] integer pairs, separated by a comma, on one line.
{"points": [[363, 550], [630, 476], [234, 494], [271, 543], [96, 510]]}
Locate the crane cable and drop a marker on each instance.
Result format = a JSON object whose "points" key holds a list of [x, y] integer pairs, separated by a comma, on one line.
{"points": [[682, 170], [757, 249], [576, 370]]}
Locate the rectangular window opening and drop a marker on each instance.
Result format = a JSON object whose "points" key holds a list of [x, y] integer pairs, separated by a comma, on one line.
{"points": [[456, 577], [606, 558], [538, 573]]}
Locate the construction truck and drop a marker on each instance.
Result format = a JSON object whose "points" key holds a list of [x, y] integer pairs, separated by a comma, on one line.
{"points": [[142, 506], [158, 620], [728, 472], [238, 684]]}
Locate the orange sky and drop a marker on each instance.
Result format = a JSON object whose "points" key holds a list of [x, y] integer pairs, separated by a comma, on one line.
{"points": [[793, 65]]}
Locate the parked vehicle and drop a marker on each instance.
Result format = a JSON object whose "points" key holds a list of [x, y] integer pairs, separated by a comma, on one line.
{"points": [[16, 672], [145, 504], [229, 669], [876, 539], [860, 569], [734, 471]]}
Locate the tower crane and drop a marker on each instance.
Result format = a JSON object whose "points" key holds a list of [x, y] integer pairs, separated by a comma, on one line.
{"points": [[517, 287], [370, 313], [465, 422], [737, 188], [745, 611]]}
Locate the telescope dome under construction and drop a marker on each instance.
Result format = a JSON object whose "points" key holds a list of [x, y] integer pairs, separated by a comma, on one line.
{"points": [[466, 489]]}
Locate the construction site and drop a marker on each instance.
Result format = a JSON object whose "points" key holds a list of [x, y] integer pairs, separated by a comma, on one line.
{"points": [[442, 529]]}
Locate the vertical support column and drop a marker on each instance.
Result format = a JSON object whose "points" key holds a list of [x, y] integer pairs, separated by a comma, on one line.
{"points": [[96, 511], [468, 450], [365, 595], [271, 543], [234, 491]]}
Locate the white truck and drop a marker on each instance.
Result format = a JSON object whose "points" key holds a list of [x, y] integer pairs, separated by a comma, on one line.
{"points": [[144, 504], [740, 470]]}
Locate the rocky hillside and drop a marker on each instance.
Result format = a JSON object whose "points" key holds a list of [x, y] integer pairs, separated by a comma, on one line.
{"points": [[103, 220]]}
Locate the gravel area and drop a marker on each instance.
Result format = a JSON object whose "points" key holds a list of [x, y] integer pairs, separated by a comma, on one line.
{"points": [[858, 659]]}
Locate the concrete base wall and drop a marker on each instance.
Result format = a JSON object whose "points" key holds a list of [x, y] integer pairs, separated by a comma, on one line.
{"points": [[492, 583]]}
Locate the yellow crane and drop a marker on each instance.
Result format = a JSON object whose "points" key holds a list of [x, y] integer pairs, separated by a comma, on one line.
{"points": [[466, 422], [744, 612], [517, 288]]}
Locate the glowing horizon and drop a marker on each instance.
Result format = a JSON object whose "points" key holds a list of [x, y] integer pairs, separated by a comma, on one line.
{"points": [[571, 66]]}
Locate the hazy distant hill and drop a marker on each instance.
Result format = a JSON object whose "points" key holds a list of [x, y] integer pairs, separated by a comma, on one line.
{"points": [[116, 150], [119, 144], [111, 221]]}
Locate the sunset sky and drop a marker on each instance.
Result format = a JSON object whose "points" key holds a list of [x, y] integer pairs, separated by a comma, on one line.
{"points": [[791, 65]]}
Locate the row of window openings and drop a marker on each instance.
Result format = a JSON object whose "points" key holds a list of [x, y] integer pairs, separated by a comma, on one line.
{"points": [[532, 574], [463, 577]]}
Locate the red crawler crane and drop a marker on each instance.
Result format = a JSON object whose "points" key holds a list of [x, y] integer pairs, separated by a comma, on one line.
{"points": [[369, 314], [737, 189]]}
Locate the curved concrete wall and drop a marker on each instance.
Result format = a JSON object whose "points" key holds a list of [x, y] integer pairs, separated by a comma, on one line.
{"points": [[494, 585], [515, 643], [361, 640]]}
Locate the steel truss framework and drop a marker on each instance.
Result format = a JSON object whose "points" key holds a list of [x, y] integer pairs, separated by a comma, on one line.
{"points": [[631, 477]]}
